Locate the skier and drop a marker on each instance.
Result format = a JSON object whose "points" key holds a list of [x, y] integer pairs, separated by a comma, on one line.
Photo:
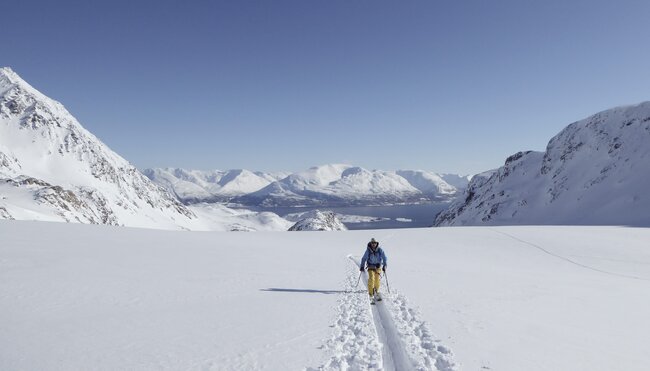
{"points": [[376, 259]]}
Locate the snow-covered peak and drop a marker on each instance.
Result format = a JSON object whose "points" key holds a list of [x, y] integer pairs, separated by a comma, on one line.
{"points": [[317, 220], [341, 185], [185, 186], [192, 186], [355, 170], [326, 185], [427, 182], [608, 136], [25, 95], [457, 181], [9, 77], [595, 171], [52, 144], [317, 175], [357, 179], [56, 169], [240, 181]]}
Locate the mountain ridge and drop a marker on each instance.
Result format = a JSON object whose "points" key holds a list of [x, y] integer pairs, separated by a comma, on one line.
{"points": [[324, 185], [593, 172], [46, 156]]}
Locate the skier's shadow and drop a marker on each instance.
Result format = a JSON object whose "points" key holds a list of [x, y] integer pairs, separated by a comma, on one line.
{"points": [[308, 291]]}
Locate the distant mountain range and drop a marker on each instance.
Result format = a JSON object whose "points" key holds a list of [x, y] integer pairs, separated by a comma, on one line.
{"points": [[327, 185], [195, 186], [594, 172]]}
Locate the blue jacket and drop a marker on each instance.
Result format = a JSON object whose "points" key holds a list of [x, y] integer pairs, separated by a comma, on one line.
{"points": [[375, 259]]}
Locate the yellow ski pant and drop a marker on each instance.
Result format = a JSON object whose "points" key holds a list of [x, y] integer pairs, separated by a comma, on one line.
{"points": [[373, 281]]}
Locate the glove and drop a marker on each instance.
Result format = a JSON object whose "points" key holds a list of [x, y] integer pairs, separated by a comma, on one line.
{"points": [[361, 269], [383, 268]]}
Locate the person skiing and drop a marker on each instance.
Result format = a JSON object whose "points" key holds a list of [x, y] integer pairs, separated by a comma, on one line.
{"points": [[376, 260]]}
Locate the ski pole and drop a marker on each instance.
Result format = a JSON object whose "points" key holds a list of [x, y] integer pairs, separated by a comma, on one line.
{"points": [[358, 280], [387, 285]]}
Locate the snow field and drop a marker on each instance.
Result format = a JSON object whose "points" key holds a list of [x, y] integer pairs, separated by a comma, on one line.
{"points": [[505, 298]]}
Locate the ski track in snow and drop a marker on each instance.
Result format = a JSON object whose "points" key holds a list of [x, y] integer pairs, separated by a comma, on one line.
{"points": [[387, 336], [545, 251]]}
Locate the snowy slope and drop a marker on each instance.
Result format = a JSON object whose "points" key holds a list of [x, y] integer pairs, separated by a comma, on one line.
{"points": [[317, 220], [51, 168], [217, 217], [77, 297], [594, 172], [342, 185]]}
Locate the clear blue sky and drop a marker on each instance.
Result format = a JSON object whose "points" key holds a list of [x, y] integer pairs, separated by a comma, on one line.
{"points": [[442, 85]]}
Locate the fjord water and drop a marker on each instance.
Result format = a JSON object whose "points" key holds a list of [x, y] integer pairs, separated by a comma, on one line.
{"points": [[418, 215]]}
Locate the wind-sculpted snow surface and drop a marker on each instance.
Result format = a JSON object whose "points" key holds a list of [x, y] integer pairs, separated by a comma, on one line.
{"points": [[594, 172]]}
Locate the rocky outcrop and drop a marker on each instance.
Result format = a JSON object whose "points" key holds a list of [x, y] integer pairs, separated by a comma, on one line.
{"points": [[317, 220]]}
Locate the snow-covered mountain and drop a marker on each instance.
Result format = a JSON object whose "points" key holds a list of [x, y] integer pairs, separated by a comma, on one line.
{"points": [[300, 188], [430, 183], [317, 220], [194, 186], [325, 185], [595, 171], [343, 185], [459, 182], [51, 168]]}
